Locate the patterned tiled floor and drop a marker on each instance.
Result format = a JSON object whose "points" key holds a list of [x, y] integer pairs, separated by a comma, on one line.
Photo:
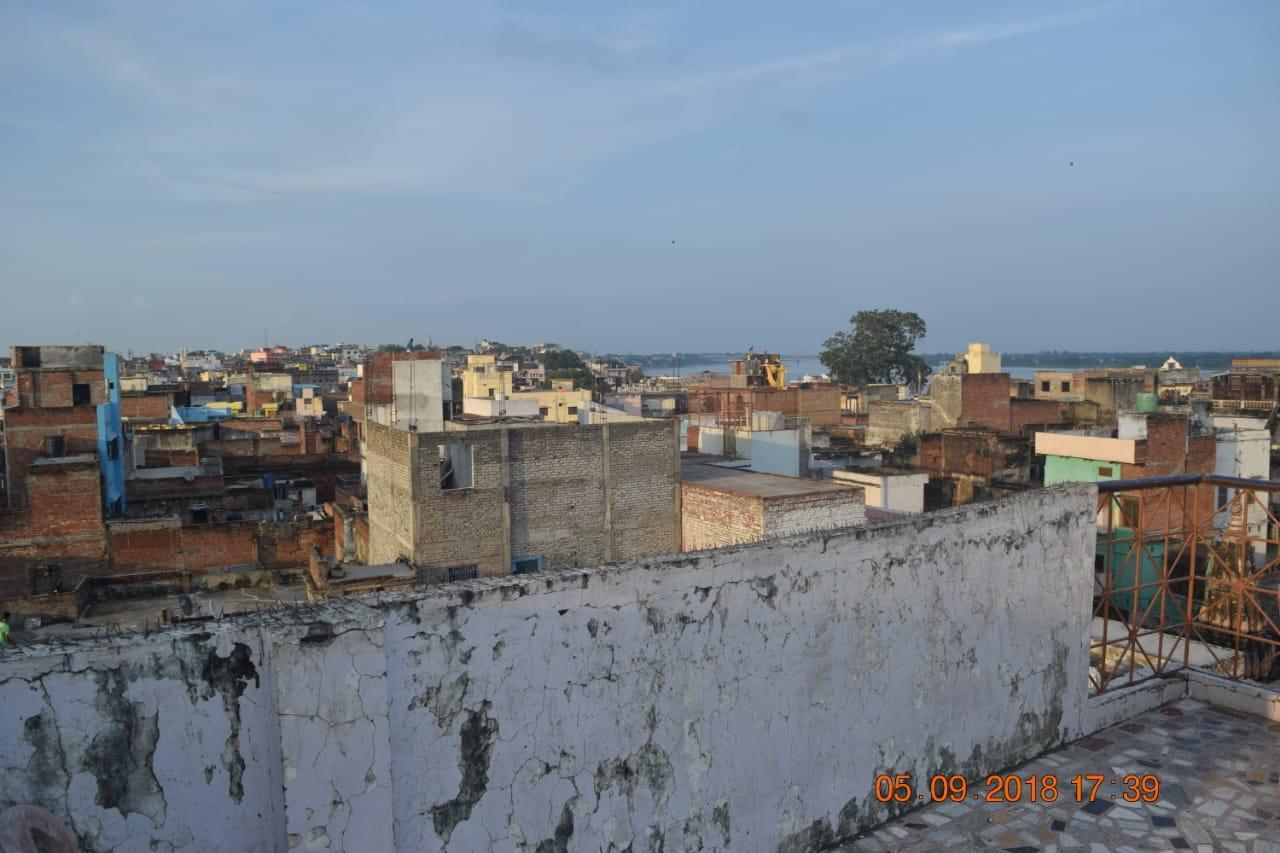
{"points": [[1220, 790]]}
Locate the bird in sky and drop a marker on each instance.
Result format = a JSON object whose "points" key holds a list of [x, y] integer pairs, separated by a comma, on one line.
{"points": [[1071, 162]]}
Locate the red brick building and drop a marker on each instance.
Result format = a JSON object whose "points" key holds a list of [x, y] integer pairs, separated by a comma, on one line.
{"points": [[53, 407]]}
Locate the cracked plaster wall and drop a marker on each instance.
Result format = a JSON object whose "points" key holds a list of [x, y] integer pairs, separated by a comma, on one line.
{"points": [[167, 744], [736, 699]]}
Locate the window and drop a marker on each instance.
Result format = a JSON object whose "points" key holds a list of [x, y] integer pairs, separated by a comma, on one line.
{"points": [[80, 394], [1066, 386], [455, 466], [573, 410], [1045, 386], [113, 449], [1129, 511], [543, 411], [1224, 496], [526, 565], [461, 573], [1104, 471]]}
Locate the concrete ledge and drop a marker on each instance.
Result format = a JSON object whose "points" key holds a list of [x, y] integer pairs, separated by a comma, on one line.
{"points": [[1247, 697], [1116, 706]]}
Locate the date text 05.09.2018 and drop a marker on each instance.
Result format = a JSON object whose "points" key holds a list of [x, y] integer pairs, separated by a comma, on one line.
{"points": [[1012, 788]]}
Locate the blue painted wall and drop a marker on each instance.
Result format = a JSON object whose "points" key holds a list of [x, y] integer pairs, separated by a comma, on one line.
{"points": [[111, 439]]}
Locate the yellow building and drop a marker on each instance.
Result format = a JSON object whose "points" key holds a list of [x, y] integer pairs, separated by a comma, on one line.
{"points": [[561, 403], [1059, 385], [981, 359], [483, 377]]}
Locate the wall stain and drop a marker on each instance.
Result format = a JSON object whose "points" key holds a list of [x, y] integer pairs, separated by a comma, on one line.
{"points": [[119, 756], [479, 731], [559, 842], [229, 676]]}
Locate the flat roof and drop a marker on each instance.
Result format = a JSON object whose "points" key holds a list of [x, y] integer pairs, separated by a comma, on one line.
{"points": [[365, 573], [78, 459], [753, 483]]}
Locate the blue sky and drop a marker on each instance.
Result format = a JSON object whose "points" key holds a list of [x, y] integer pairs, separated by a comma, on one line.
{"points": [[194, 173]]}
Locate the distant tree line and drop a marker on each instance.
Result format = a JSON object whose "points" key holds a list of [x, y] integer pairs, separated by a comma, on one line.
{"points": [[1070, 358]]}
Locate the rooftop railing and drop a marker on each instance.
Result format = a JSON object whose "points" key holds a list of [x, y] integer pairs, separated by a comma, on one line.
{"points": [[1187, 574]]}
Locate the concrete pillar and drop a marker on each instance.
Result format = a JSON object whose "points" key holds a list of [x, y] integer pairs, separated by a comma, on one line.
{"points": [[348, 537], [608, 494], [506, 501]]}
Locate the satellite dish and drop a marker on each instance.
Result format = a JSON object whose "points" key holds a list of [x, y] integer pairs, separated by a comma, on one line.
{"points": [[186, 605]]}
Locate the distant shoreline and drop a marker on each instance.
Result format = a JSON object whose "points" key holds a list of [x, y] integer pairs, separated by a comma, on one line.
{"points": [[1059, 360]]}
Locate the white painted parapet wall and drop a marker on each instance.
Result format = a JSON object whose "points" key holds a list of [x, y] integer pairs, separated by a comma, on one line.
{"points": [[743, 698]]}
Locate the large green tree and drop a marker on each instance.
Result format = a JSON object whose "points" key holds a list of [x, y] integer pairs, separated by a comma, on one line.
{"points": [[562, 359], [878, 350]]}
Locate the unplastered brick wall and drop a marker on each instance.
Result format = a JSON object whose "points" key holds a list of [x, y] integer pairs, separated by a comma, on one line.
{"points": [[820, 403], [390, 494], [26, 430], [59, 533], [289, 544], [165, 544], [146, 544], [890, 420], [714, 518], [644, 489], [1169, 449], [145, 405], [61, 525], [558, 495], [573, 495], [64, 499], [56, 388], [984, 400], [1026, 413], [825, 510]]}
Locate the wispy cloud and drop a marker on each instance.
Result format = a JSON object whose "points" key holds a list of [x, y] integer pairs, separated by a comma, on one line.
{"points": [[336, 179], [509, 143], [571, 46], [877, 53], [577, 95]]}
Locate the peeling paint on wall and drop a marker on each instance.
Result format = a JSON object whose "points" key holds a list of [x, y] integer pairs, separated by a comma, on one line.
{"points": [[742, 698]]}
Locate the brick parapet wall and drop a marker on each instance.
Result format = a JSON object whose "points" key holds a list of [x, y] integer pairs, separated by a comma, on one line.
{"points": [[713, 518], [824, 510]]}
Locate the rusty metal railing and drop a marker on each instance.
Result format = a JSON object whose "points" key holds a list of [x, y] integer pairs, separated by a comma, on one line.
{"points": [[1187, 574]]}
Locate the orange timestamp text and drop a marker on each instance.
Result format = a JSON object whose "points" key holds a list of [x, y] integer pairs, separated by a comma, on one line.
{"points": [[1012, 788]]}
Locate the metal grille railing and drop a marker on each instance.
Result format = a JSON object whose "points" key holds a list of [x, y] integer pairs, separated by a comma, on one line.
{"points": [[1187, 574]]}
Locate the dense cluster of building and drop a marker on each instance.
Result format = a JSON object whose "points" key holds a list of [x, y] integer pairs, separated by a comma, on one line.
{"points": [[979, 433], [175, 487], [577, 570]]}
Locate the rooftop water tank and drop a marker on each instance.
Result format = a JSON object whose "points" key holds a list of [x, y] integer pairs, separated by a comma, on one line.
{"points": [[1147, 402]]}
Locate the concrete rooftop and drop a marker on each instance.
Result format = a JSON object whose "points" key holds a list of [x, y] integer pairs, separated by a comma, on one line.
{"points": [[753, 483]]}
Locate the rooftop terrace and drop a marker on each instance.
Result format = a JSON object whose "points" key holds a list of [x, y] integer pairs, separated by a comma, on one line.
{"points": [[745, 698], [728, 478], [1219, 789]]}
